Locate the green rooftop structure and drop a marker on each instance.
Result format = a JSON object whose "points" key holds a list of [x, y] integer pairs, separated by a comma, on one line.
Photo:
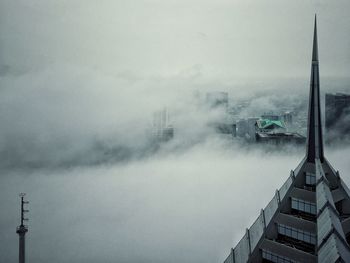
{"points": [[267, 124]]}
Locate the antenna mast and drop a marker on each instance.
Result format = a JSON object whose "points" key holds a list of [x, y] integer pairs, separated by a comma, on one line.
{"points": [[22, 230]]}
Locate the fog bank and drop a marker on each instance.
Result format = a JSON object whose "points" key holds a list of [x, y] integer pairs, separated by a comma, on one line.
{"points": [[177, 208]]}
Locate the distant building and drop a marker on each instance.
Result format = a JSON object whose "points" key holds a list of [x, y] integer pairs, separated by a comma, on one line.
{"points": [[287, 117], [271, 116], [217, 99], [241, 127], [267, 130], [234, 130], [280, 137], [275, 131], [251, 128], [162, 130], [268, 125], [337, 115], [246, 128]]}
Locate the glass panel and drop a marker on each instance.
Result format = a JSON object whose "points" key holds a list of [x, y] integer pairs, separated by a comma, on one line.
{"points": [[300, 235], [304, 206], [313, 240], [313, 209], [313, 180], [308, 179], [256, 231], [288, 232], [307, 208], [283, 230], [241, 251], [276, 258], [307, 238]]}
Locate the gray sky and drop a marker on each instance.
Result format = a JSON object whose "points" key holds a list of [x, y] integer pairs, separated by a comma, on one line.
{"points": [[222, 38]]}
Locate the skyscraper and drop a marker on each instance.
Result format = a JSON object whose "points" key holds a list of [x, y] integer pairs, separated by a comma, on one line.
{"points": [[308, 219], [337, 115], [162, 129]]}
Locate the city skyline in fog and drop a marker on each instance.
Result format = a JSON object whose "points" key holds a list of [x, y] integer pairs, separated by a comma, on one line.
{"points": [[79, 84]]}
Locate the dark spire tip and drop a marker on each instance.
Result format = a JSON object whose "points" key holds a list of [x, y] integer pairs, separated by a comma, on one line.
{"points": [[315, 46], [314, 139]]}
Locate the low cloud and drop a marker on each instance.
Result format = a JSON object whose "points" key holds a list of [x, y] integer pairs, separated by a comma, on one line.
{"points": [[66, 116], [189, 207]]}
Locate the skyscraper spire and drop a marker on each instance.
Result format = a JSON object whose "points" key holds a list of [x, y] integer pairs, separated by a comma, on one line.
{"points": [[315, 45], [308, 218], [314, 148]]}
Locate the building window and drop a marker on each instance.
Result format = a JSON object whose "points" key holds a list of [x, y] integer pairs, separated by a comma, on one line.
{"points": [[304, 206], [297, 234], [276, 258], [310, 179]]}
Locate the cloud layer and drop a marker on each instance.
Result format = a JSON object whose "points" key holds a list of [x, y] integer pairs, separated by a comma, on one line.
{"points": [[175, 208]]}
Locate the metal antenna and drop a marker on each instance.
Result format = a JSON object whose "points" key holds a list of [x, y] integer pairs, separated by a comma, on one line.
{"points": [[22, 229]]}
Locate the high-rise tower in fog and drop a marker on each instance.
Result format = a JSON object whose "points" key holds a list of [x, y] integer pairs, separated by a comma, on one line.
{"points": [[308, 219], [337, 106]]}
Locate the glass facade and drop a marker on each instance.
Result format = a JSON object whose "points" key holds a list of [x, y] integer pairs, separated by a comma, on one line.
{"points": [[276, 258], [304, 206], [297, 234], [310, 179]]}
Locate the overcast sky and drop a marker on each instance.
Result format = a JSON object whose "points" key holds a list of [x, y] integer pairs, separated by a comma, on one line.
{"points": [[225, 38]]}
